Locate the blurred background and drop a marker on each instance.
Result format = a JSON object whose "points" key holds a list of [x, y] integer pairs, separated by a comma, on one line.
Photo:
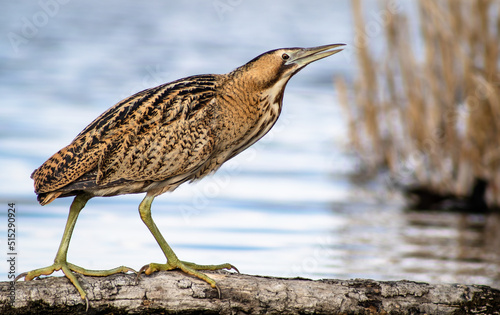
{"points": [[316, 197]]}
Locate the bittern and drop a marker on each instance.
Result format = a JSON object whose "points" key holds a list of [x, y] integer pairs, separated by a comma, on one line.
{"points": [[162, 137]]}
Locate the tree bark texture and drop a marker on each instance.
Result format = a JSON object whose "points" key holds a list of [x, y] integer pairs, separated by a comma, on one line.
{"points": [[174, 292]]}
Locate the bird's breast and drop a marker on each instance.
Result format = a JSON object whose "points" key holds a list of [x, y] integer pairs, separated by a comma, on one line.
{"points": [[263, 118]]}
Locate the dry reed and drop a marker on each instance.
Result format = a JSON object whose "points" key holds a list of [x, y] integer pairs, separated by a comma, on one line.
{"points": [[432, 117]]}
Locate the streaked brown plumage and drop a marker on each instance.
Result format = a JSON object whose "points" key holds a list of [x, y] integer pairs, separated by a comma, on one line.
{"points": [[181, 131], [159, 138]]}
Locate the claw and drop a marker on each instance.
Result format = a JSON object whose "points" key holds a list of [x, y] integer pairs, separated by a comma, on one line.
{"points": [[87, 304], [24, 274], [218, 291], [143, 269], [233, 267]]}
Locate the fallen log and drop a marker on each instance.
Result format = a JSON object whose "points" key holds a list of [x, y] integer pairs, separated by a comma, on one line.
{"points": [[174, 292]]}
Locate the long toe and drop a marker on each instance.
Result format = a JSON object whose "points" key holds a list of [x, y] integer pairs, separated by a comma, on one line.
{"points": [[45, 271], [68, 269], [194, 266], [189, 268], [100, 273]]}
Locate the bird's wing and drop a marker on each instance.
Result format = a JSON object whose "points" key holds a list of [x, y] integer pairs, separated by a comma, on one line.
{"points": [[151, 135]]}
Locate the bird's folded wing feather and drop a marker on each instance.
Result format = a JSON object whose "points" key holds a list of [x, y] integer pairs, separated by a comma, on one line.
{"points": [[153, 135]]}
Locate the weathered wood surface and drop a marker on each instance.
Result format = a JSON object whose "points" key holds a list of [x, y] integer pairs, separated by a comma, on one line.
{"points": [[174, 292]]}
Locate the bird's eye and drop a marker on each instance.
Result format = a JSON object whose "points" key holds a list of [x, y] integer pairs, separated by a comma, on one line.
{"points": [[285, 56]]}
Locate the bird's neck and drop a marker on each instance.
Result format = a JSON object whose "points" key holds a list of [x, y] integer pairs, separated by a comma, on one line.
{"points": [[251, 90], [253, 110]]}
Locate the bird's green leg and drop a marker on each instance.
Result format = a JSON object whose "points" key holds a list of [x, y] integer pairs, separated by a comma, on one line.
{"points": [[60, 262], [172, 261]]}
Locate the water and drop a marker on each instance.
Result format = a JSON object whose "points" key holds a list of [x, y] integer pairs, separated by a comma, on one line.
{"points": [[285, 207]]}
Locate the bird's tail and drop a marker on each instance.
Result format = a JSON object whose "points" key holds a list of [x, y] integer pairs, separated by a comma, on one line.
{"points": [[46, 198]]}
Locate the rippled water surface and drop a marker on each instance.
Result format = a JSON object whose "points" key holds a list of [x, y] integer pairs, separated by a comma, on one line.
{"points": [[285, 207]]}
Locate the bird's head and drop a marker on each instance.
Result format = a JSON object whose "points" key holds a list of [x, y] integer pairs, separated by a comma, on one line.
{"points": [[274, 68]]}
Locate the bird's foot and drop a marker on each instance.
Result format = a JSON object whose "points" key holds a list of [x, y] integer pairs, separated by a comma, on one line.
{"points": [[189, 268], [67, 269]]}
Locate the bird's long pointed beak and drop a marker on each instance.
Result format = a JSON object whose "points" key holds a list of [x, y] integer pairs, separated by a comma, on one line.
{"points": [[307, 55]]}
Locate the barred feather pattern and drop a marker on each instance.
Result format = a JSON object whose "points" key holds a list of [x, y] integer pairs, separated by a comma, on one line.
{"points": [[161, 137]]}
